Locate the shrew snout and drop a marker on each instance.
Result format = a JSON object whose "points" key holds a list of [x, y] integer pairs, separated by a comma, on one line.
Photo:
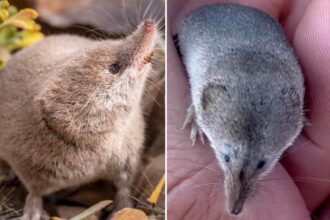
{"points": [[238, 190], [143, 41], [237, 208], [236, 201]]}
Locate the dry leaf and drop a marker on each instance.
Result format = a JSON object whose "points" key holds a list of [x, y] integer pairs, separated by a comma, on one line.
{"points": [[155, 194], [130, 214], [90, 211], [56, 218]]}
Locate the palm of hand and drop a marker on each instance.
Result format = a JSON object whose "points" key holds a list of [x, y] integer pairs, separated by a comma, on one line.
{"points": [[302, 181]]}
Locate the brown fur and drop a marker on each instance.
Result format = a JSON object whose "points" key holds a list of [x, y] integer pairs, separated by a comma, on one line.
{"points": [[65, 120]]}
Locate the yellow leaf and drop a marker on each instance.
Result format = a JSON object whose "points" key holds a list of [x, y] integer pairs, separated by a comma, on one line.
{"points": [[23, 19], [155, 194], [4, 4], [4, 57], [28, 38], [130, 214], [3, 14], [26, 13], [26, 24]]}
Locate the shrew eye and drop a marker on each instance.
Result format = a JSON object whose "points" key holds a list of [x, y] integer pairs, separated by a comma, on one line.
{"points": [[261, 164], [114, 68], [227, 159]]}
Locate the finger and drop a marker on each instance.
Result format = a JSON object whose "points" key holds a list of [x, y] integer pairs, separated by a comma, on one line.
{"points": [[313, 49], [312, 45], [308, 166], [324, 212], [198, 193], [291, 16], [178, 97]]}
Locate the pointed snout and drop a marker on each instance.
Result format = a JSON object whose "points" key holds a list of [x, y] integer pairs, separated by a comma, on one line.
{"points": [[149, 25], [143, 39], [146, 30], [237, 193], [235, 205], [236, 208], [140, 45]]}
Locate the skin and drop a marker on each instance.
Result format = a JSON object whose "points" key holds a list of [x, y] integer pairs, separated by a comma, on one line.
{"points": [[195, 189], [71, 113]]}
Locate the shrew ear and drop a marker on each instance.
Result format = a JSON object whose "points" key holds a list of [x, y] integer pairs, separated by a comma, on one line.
{"points": [[212, 91]]}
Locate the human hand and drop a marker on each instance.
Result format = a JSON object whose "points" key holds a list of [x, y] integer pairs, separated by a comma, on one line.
{"points": [[301, 183]]}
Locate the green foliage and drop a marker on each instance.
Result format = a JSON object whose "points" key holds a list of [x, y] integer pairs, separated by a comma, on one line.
{"points": [[18, 29]]}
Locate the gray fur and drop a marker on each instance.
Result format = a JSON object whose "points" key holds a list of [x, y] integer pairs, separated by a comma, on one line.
{"points": [[247, 91]]}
